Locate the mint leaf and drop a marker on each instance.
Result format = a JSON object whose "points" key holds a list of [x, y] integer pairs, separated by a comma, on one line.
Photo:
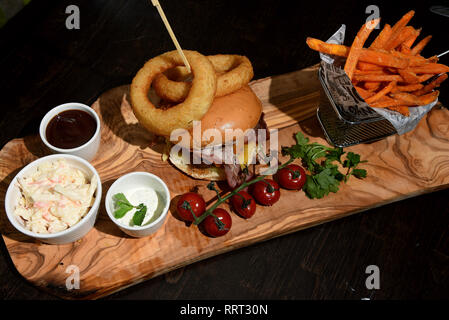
{"points": [[122, 205], [139, 215], [121, 211], [121, 199]]}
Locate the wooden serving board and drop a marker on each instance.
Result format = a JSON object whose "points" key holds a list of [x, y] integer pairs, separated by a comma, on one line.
{"points": [[399, 167]]}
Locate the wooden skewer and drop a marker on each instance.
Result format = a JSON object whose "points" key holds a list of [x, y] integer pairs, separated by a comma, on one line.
{"points": [[170, 32]]}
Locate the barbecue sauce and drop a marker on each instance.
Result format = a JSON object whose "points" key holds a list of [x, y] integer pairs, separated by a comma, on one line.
{"points": [[70, 129]]}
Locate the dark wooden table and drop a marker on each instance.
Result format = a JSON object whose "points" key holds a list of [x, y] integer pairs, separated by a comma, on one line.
{"points": [[43, 64]]}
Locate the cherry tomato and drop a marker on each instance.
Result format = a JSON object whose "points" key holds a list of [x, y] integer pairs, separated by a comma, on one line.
{"points": [[266, 192], [196, 203], [218, 223], [291, 177], [243, 204]]}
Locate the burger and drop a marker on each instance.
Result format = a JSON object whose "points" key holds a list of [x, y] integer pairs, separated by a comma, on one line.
{"points": [[223, 156]]}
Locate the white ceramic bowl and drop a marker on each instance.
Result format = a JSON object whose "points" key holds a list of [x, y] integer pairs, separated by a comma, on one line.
{"points": [[66, 236], [86, 151], [136, 180]]}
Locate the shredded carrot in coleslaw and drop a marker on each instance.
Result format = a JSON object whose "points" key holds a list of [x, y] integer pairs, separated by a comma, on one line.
{"points": [[54, 197]]}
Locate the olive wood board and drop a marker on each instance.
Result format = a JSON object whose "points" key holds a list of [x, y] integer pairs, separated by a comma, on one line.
{"points": [[398, 167]]}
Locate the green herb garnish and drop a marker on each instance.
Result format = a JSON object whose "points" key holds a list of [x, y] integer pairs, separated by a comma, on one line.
{"points": [[122, 206], [139, 215], [321, 162], [351, 162]]}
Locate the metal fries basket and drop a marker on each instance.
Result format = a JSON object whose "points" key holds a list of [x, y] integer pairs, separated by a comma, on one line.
{"points": [[345, 117]]}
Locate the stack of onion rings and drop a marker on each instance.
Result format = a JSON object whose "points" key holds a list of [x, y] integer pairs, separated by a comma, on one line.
{"points": [[233, 72], [196, 103], [213, 76]]}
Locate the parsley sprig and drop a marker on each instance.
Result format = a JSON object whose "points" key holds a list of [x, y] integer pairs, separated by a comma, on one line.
{"points": [[322, 163], [122, 206]]}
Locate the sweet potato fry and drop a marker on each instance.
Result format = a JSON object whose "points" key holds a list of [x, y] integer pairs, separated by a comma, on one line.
{"points": [[382, 38], [378, 77], [360, 72], [406, 98], [357, 45], [365, 66], [405, 49], [411, 40], [387, 101], [391, 70], [425, 77], [384, 102], [383, 58], [404, 110], [371, 85], [377, 57], [381, 93], [428, 98], [408, 76], [327, 48], [412, 61], [407, 88], [364, 94], [403, 21], [430, 68], [415, 100], [433, 59], [400, 38], [429, 87], [420, 45], [396, 30]]}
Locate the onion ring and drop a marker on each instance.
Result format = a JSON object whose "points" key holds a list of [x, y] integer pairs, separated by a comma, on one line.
{"points": [[200, 97], [233, 72]]}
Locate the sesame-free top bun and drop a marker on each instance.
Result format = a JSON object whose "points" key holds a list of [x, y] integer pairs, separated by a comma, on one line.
{"points": [[239, 110]]}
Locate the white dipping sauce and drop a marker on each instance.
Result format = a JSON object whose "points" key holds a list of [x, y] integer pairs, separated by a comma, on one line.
{"points": [[147, 196]]}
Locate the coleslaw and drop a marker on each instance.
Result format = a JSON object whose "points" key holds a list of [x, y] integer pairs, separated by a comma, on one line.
{"points": [[54, 197]]}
